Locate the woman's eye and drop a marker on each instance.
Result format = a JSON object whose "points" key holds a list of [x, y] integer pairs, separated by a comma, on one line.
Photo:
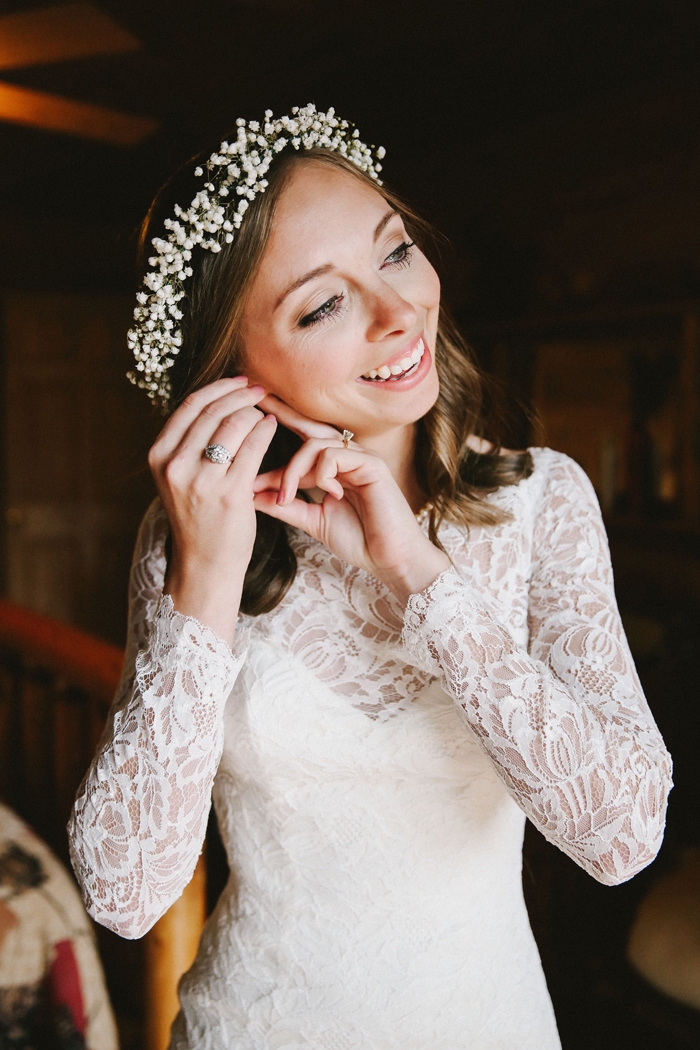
{"points": [[328, 309], [401, 256]]}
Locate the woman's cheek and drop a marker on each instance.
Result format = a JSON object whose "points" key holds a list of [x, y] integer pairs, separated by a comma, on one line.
{"points": [[423, 288], [432, 288], [306, 378]]}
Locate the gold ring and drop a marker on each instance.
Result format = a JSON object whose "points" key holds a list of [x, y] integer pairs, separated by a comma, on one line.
{"points": [[347, 437]]}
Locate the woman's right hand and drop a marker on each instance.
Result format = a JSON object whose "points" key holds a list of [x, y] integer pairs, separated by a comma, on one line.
{"points": [[210, 505]]}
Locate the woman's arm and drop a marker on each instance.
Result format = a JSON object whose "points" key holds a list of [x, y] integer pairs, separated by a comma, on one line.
{"points": [[565, 724], [140, 816], [141, 813]]}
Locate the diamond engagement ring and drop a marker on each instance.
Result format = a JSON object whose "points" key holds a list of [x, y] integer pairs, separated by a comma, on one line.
{"points": [[347, 437], [217, 454]]}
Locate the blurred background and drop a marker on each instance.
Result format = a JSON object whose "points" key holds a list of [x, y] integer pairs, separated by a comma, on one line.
{"points": [[556, 145]]}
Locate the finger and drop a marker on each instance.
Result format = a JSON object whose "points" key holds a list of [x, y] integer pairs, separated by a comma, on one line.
{"points": [[184, 415], [298, 513], [327, 471], [212, 421], [302, 464], [231, 433], [272, 479], [302, 469], [244, 468], [183, 469], [295, 421], [312, 518]]}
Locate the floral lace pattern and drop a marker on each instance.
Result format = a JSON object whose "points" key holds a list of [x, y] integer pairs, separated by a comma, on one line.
{"points": [[570, 736], [147, 797], [563, 718], [523, 633]]}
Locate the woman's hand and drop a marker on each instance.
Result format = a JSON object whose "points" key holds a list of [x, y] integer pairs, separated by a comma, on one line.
{"points": [[364, 517], [210, 505]]}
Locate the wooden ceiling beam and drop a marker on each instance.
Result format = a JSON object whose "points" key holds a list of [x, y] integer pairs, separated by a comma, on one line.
{"points": [[57, 34], [20, 105]]}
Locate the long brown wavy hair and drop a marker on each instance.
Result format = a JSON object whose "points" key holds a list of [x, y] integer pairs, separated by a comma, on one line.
{"points": [[453, 476]]}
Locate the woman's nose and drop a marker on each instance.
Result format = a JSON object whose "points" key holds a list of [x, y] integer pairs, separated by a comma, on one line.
{"points": [[390, 314]]}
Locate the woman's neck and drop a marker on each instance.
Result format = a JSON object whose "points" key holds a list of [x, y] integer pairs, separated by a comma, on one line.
{"points": [[397, 448]]}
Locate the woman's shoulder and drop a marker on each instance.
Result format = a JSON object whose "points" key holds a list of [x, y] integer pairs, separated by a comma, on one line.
{"points": [[551, 472], [562, 494], [558, 472]]}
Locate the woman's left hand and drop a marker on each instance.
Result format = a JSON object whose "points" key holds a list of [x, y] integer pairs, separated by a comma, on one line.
{"points": [[364, 518]]}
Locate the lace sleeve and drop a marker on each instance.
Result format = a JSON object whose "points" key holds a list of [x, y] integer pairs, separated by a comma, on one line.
{"points": [[565, 724], [140, 815]]}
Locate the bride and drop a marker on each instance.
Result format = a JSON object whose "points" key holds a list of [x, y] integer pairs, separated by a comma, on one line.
{"points": [[378, 640]]}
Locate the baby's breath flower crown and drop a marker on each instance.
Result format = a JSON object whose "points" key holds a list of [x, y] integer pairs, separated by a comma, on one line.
{"points": [[237, 171]]}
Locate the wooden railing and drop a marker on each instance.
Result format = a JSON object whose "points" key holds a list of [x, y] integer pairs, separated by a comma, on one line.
{"points": [[56, 685]]}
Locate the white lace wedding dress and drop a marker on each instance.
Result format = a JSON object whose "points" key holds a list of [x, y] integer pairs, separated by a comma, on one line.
{"points": [[371, 771]]}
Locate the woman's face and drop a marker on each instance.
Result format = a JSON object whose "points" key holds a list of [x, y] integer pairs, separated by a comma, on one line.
{"points": [[342, 296]]}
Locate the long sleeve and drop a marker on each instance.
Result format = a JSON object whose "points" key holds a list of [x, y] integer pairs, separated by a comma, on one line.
{"points": [[564, 721], [140, 816]]}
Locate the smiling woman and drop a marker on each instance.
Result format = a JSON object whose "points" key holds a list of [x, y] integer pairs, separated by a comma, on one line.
{"points": [[375, 640], [262, 274]]}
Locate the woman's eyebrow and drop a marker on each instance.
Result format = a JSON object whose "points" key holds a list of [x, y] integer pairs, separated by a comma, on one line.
{"points": [[327, 267], [384, 221], [318, 272]]}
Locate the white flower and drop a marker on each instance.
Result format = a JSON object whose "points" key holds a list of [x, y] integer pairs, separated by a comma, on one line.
{"points": [[155, 338]]}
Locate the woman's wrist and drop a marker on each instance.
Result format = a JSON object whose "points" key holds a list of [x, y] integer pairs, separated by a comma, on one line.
{"points": [[419, 573], [214, 602]]}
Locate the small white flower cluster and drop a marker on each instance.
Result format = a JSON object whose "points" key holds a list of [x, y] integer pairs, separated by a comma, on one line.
{"points": [[237, 171]]}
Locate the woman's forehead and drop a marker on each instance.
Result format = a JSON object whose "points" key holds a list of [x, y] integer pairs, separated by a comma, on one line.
{"points": [[320, 196], [325, 218]]}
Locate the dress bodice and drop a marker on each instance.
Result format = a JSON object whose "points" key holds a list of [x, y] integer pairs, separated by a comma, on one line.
{"points": [[372, 768], [346, 626]]}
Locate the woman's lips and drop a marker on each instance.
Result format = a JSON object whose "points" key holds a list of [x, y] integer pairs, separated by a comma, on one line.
{"points": [[406, 382], [402, 361]]}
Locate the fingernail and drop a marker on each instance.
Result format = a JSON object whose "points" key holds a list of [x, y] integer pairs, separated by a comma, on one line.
{"points": [[270, 416], [280, 498], [237, 379], [257, 389]]}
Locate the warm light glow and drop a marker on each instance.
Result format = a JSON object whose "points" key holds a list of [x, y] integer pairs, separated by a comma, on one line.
{"points": [[52, 113], [56, 34]]}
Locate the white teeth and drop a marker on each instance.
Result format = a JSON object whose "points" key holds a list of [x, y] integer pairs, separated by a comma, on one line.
{"points": [[406, 363]]}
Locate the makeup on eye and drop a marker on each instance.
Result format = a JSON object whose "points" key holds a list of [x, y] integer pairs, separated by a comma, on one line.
{"points": [[326, 310], [400, 257], [406, 250]]}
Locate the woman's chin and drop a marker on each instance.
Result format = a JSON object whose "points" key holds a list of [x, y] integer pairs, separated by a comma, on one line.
{"points": [[395, 411]]}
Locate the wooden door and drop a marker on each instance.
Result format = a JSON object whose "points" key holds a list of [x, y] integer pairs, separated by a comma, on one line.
{"points": [[76, 437]]}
